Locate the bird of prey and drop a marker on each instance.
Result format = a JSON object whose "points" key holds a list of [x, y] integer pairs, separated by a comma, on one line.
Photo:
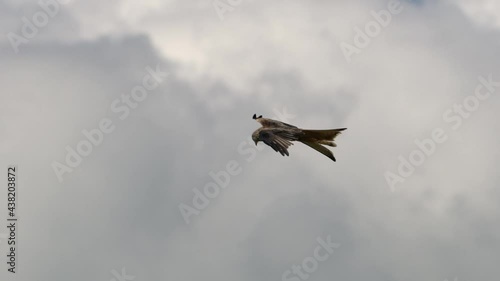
{"points": [[279, 136]]}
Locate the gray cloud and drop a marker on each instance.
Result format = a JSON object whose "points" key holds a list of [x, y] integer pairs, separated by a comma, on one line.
{"points": [[120, 207]]}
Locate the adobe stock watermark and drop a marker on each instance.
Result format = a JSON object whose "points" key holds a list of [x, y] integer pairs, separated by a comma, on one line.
{"points": [[310, 264], [123, 276], [122, 108], [372, 29], [225, 6], [48, 9], [220, 179], [453, 116]]}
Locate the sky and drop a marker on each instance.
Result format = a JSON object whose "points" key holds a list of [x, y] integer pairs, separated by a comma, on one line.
{"points": [[129, 124]]}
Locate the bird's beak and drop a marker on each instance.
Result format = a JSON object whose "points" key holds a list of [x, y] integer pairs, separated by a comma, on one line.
{"points": [[255, 143]]}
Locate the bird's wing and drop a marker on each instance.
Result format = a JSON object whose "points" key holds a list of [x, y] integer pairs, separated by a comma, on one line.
{"points": [[270, 123], [278, 139], [321, 149]]}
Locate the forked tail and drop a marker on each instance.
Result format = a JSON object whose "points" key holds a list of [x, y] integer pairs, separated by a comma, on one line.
{"points": [[316, 138]]}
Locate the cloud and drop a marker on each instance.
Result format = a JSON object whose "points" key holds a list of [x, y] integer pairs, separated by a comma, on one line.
{"points": [[119, 208]]}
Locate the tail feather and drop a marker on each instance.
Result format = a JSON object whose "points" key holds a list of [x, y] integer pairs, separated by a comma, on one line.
{"points": [[329, 143], [317, 138], [328, 135]]}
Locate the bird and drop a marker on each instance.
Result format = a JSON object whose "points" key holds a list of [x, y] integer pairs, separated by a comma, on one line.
{"points": [[279, 136]]}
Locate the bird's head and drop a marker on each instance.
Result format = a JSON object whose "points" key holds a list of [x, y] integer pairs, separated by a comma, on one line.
{"points": [[255, 137]]}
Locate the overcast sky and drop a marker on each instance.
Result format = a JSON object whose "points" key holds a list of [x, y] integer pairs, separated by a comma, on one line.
{"points": [[143, 200]]}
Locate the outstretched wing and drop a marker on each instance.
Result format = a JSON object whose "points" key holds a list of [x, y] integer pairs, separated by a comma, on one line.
{"points": [[270, 123], [278, 139], [321, 149]]}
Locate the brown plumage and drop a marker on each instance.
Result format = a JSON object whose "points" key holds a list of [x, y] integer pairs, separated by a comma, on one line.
{"points": [[279, 136]]}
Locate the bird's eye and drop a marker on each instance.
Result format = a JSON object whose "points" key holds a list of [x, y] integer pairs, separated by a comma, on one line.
{"points": [[265, 135]]}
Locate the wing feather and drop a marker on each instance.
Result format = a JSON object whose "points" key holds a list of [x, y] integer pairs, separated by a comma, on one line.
{"points": [[278, 139], [321, 149]]}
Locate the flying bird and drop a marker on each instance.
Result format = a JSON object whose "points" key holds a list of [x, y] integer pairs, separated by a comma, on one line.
{"points": [[279, 136]]}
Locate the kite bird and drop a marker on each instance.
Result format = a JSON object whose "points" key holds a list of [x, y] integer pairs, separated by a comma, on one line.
{"points": [[279, 136]]}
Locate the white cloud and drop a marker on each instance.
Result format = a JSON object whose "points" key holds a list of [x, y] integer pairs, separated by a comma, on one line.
{"points": [[485, 12]]}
